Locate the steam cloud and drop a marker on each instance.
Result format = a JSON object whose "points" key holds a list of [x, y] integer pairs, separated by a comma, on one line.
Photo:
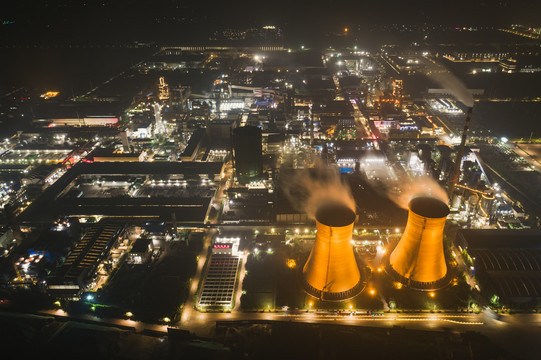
{"points": [[310, 188], [409, 189], [448, 81]]}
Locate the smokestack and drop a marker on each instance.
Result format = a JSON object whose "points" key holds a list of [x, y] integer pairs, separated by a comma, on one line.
{"points": [[418, 259], [181, 97], [331, 272], [311, 126], [125, 141], [456, 171]]}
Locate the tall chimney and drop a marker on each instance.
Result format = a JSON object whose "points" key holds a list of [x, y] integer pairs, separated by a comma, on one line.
{"points": [[311, 126], [455, 176]]}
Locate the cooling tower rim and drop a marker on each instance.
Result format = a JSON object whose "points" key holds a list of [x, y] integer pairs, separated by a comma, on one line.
{"points": [[429, 207], [335, 215]]}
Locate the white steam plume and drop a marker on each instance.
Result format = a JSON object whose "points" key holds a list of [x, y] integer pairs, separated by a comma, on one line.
{"points": [[310, 188], [408, 189], [450, 82]]}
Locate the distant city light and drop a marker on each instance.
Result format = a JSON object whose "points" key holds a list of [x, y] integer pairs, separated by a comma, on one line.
{"points": [[49, 94]]}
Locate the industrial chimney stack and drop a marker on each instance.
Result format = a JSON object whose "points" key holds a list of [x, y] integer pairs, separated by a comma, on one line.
{"points": [[455, 176]]}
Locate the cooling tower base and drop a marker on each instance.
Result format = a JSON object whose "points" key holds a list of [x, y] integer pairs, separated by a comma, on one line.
{"points": [[417, 285], [336, 296]]}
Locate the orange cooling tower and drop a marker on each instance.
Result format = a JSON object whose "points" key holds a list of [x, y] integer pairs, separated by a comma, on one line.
{"points": [[331, 272], [418, 259]]}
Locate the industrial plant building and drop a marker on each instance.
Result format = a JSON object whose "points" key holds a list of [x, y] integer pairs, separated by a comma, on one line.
{"points": [[220, 281], [506, 262], [247, 154], [154, 189], [69, 280]]}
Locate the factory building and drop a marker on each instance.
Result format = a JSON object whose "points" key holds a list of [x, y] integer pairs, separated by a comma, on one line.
{"points": [[507, 263], [247, 154], [70, 279]]}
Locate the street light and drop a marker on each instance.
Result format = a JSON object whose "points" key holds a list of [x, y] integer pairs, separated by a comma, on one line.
{"points": [[166, 319], [129, 314]]}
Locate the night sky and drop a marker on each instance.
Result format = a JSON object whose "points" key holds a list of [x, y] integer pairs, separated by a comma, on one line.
{"points": [[106, 20]]}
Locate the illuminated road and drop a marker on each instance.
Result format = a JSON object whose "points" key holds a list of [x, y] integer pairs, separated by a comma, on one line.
{"points": [[189, 307], [530, 153], [137, 325], [517, 333], [203, 324], [465, 269], [362, 124], [241, 279], [388, 64], [220, 192]]}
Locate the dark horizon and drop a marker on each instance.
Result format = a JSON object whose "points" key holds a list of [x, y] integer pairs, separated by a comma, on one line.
{"points": [[65, 21]]}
